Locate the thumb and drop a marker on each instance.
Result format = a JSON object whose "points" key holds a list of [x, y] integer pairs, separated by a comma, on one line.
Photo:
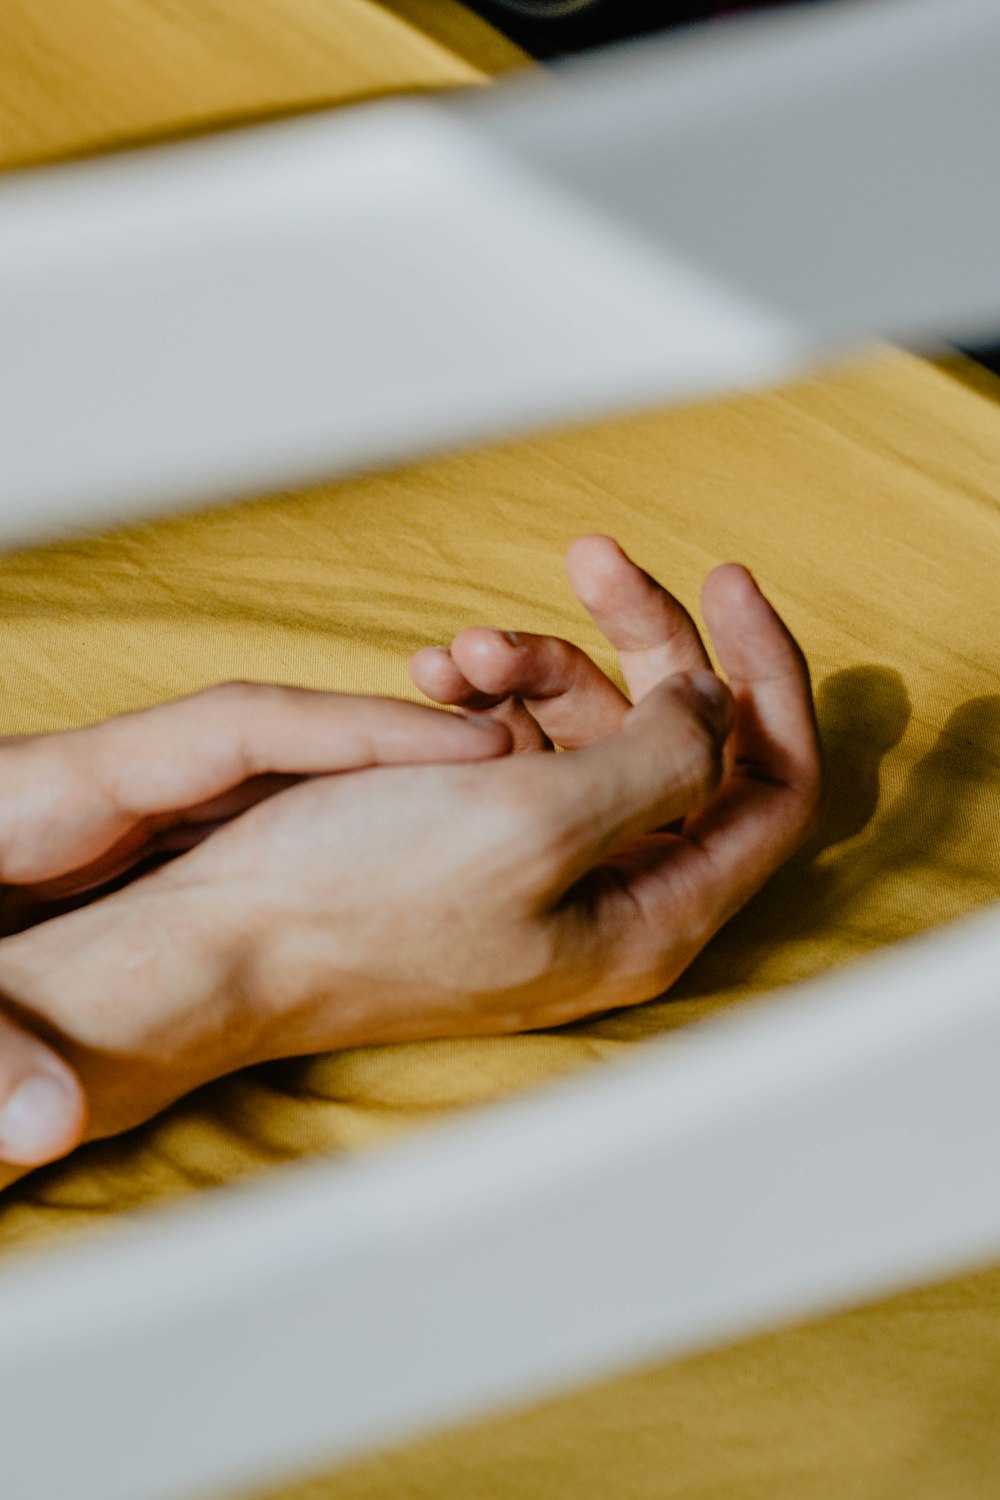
{"points": [[664, 762], [42, 1105]]}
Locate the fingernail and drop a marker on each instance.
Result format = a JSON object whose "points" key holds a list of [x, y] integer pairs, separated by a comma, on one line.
{"points": [[479, 721], [511, 636], [714, 695], [34, 1119]]}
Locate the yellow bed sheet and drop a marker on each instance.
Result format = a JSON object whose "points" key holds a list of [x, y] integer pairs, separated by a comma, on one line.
{"points": [[868, 503]]}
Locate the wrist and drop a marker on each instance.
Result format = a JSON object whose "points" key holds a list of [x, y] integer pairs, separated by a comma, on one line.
{"points": [[140, 993]]}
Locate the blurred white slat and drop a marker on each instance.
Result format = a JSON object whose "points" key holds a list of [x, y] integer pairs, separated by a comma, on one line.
{"points": [[263, 308], [829, 1146]]}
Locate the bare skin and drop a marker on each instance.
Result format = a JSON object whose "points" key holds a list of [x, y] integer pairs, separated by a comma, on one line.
{"points": [[82, 808], [422, 901]]}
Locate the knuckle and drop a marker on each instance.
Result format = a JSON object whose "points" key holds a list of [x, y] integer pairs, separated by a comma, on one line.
{"points": [[700, 754]]}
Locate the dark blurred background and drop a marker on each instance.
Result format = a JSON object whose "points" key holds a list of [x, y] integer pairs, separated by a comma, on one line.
{"points": [[550, 29]]}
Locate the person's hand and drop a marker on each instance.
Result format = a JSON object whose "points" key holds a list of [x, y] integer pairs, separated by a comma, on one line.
{"points": [[402, 903], [84, 807]]}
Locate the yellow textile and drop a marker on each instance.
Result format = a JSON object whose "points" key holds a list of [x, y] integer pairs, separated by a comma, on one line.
{"points": [[868, 504], [87, 75]]}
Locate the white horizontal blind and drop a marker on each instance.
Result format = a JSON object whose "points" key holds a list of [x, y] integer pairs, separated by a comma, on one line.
{"points": [[820, 1149], [303, 299]]}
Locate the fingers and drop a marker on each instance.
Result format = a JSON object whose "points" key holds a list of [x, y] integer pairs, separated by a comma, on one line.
{"points": [[565, 692], [652, 632], [435, 673], [43, 1110], [71, 798], [770, 797], [649, 908], [665, 761], [555, 683], [775, 727]]}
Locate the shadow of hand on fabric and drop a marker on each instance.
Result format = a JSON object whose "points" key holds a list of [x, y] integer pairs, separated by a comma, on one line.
{"points": [[931, 855], [948, 816]]}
